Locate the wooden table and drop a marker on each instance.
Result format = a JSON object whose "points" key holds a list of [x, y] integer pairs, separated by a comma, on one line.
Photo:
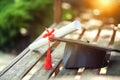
{"points": [[29, 65]]}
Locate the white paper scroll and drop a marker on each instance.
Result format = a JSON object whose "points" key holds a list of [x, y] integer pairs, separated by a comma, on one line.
{"points": [[58, 33]]}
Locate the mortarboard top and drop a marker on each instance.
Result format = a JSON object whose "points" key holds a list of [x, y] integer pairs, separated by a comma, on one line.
{"points": [[79, 54]]}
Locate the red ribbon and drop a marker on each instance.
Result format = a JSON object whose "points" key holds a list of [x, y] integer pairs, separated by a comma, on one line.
{"points": [[49, 33], [48, 60]]}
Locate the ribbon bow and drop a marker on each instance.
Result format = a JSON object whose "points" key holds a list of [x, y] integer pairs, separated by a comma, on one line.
{"points": [[48, 60], [49, 34]]}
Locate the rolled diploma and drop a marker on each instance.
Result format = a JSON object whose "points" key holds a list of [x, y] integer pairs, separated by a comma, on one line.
{"points": [[58, 33]]}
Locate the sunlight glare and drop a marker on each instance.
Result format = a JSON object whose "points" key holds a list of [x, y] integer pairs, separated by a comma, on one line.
{"points": [[105, 2], [104, 5]]}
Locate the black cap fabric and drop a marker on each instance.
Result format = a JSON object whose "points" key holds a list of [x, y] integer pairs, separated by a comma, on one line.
{"points": [[79, 54]]}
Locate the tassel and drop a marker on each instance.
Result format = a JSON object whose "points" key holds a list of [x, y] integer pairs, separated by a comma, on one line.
{"points": [[48, 61]]}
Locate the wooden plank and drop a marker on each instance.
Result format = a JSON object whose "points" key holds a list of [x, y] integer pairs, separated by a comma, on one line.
{"points": [[14, 67], [38, 63], [24, 65], [66, 74], [109, 77], [56, 56], [89, 74], [14, 61], [93, 75], [89, 35], [18, 71], [104, 37]]}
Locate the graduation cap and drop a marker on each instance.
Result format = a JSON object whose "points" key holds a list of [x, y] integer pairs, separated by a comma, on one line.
{"points": [[79, 54]]}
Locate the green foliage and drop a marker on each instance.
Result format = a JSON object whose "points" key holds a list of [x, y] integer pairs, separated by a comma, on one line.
{"points": [[16, 14], [67, 14]]}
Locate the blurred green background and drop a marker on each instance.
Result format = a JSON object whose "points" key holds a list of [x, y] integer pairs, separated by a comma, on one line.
{"points": [[21, 21]]}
